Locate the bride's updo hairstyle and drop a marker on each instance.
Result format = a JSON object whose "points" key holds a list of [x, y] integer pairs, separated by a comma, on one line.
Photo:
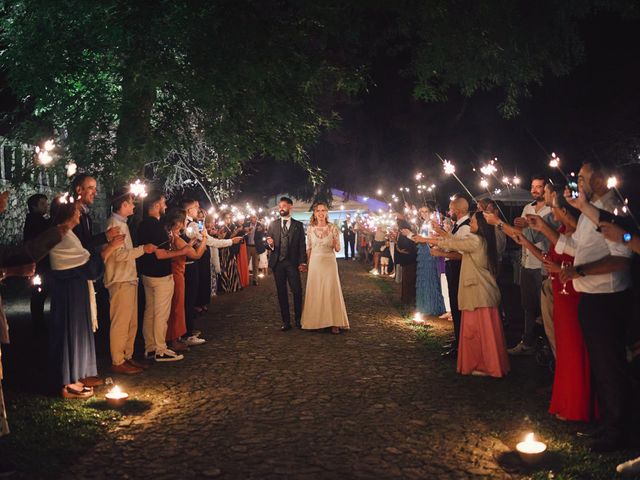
{"points": [[314, 220]]}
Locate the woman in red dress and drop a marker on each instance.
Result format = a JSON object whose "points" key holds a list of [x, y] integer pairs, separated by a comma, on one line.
{"points": [[243, 265], [571, 397]]}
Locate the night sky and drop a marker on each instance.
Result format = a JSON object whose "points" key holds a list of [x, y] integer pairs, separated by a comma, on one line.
{"points": [[385, 136]]}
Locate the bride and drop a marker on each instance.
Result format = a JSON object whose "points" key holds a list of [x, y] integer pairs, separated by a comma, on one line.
{"points": [[323, 302]]}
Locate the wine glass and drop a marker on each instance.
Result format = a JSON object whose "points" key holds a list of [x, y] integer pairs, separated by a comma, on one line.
{"points": [[547, 257], [564, 265]]}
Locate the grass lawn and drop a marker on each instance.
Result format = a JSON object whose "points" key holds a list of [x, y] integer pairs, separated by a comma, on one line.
{"points": [[505, 405]]}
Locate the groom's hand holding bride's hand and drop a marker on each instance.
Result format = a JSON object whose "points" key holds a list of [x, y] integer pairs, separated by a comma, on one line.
{"points": [[302, 267], [270, 242]]}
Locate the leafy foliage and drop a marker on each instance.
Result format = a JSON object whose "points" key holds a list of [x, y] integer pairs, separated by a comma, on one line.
{"points": [[126, 84]]}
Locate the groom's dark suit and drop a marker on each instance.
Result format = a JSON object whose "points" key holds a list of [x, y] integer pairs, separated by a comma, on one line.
{"points": [[289, 251]]}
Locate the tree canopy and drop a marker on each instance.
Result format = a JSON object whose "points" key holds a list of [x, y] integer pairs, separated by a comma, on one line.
{"points": [[124, 84]]}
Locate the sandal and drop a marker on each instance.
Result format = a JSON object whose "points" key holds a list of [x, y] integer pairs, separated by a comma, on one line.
{"points": [[335, 330], [70, 392]]}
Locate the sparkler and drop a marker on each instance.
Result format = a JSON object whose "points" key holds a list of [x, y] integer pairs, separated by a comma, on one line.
{"points": [[72, 168], [36, 281], [138, 189], [43, 155], [612, 183], [65, 198], [555, 163], [450, 169]]}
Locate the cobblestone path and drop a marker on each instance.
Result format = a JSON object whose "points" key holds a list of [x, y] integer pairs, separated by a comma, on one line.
{"points": [[254, 402]]}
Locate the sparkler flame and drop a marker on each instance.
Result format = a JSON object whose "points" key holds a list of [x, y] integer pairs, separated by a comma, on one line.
{"points": [[138, 189], [449, 168]]}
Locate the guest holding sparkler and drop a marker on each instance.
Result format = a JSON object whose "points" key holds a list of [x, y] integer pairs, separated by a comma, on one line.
{"points": [[429, 299], [459, 211], [73, 308], [406, 256], [85, 189], [531, 274], [571, 397], [177, 326], [601, 273], [121, 279], [19, 261], [157, 279], [193, 231], [215, 244], [482, 348], [229, 276]]}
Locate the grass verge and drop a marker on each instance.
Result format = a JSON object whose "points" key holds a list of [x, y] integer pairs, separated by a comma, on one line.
{"points": [[48, 434], [514, 405]]}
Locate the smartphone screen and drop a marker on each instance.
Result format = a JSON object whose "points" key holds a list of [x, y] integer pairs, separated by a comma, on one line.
{"points": [[201, 225]]}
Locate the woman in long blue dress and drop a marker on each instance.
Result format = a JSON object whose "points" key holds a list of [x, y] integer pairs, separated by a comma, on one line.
{"points": [[429, 299], [73, 317]]}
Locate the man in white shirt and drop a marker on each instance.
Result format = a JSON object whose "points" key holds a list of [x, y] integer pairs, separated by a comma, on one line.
{"points": [[531, 268], [601, 273], [121, 279], [191, 274]]}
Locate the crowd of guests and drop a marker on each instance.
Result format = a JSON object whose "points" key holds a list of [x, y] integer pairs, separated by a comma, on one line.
{"points": [[576, 272], [179, 255]]}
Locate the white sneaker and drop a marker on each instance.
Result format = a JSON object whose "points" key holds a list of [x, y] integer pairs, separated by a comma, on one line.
{"points": [[193, 340], [169, 356], [630, 467], [374, 271], [521, 349]]}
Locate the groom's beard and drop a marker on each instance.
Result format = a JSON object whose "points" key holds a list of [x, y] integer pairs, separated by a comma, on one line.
{"points": [[284, 213]]}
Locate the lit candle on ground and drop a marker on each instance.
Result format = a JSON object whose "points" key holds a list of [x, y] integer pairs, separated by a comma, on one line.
{"points": [[418, 319], [116, 397], [530, 450]]}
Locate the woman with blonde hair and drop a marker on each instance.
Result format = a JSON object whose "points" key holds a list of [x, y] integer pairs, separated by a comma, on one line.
{"points": [[323, 303]]}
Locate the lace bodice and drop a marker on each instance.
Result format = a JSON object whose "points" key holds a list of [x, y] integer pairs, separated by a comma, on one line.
{"points": [[321, 239]]}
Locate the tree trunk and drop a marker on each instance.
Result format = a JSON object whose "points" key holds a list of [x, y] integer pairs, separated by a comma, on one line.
{"points": [[133, 138]]}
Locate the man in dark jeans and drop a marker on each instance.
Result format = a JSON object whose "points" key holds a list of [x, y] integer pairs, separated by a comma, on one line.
{"points": [[349, 237], [459, 210], [286, 239]]}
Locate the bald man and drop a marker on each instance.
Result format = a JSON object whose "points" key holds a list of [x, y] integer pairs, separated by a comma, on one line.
{"points": [[459, 211]]}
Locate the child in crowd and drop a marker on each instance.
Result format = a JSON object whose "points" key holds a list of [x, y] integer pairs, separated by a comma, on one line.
{"points": [[385, 257]]}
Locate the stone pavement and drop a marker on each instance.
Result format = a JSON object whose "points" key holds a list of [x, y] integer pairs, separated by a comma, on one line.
{"points": [[254, 402]]}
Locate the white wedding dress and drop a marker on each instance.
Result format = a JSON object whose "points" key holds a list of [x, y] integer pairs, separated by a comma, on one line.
{"points": [[323, 301]]}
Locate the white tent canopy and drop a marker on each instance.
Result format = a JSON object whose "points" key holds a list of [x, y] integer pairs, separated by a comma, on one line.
{"points": [[512, 196]]}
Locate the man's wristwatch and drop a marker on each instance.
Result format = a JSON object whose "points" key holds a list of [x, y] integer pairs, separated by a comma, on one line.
{"points": [[580, 271], [500, 225]]}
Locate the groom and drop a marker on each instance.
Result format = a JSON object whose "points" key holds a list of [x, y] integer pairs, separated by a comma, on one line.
{"points": [[285, 238]]}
